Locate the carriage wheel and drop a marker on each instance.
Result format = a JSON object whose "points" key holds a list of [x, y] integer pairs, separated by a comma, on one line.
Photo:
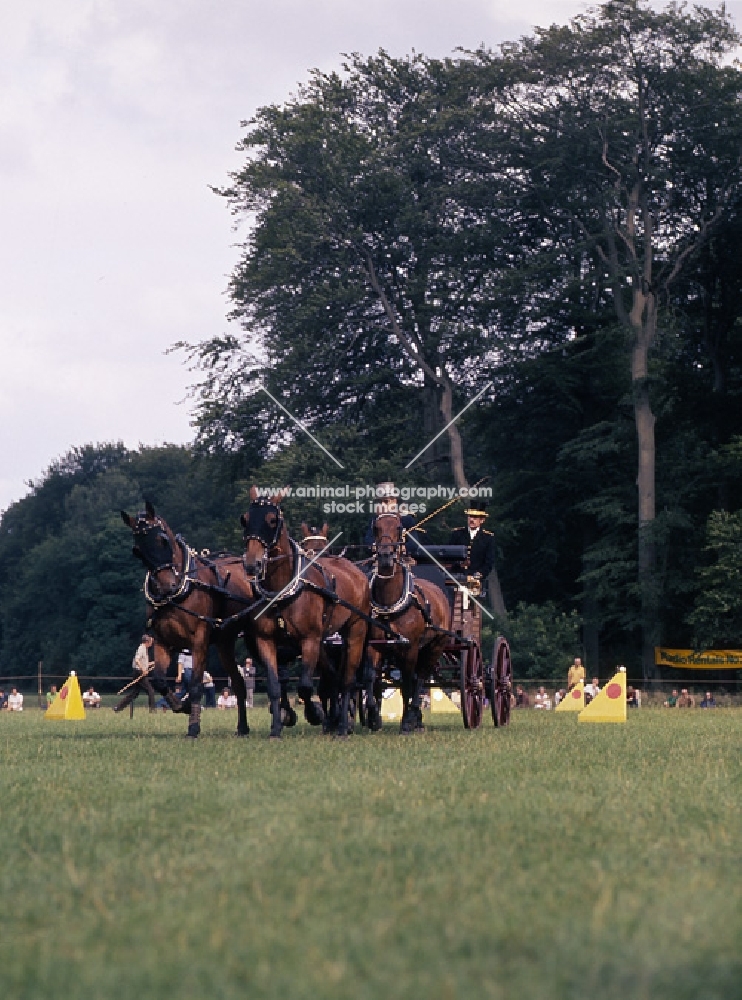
{"points": [[502, 682], [472, 686]]}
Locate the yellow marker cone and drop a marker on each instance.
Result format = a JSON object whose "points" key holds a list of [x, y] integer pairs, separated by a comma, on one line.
{"points": [[574, 700], [68, 703], [608, 705], [392, 705], [440, 702]]}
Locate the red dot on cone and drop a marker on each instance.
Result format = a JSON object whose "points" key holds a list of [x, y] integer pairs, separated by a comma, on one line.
{"points": [[63, 693], [576, 694], [613, 690]]}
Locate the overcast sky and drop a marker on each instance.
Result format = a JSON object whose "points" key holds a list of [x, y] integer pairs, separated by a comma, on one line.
{"points": [[115, 117]]}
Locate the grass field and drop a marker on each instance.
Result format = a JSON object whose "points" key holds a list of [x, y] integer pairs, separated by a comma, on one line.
{"points": [[547, 860]]}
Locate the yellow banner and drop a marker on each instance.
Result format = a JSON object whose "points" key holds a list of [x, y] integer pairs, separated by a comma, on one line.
{"points": [[688, 659]]}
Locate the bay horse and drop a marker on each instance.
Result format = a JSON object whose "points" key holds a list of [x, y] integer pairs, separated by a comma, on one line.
{"points": [[417, 610], [192, 601], [306, 600]]}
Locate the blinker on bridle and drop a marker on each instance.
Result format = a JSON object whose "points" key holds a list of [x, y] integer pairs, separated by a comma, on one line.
{"points": [[247, 535]]}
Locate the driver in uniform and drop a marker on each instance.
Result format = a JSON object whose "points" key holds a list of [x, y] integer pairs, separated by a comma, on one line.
{"points": [[481, 544]]}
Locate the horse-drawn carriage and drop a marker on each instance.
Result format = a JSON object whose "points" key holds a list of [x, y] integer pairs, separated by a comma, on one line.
{"points": [[403, 621], [461, 667]]}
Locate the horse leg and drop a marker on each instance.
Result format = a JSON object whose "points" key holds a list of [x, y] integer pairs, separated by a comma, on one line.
{"points": [[309, 655], [195, 691], [408, 687], [228, 662], [416, 701], [267, 656], [373, 703]]}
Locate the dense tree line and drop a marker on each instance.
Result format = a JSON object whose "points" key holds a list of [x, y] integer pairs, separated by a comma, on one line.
{"points": [[70, 589], [554, 225]]}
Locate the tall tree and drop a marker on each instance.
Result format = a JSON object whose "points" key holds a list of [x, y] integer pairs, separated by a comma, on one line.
{"points": [[625, 134]]}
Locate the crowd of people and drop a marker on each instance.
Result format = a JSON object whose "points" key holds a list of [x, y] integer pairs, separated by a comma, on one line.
{"points": [[544, 701]]}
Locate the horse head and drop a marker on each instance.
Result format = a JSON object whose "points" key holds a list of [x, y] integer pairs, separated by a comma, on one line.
{"points": [[314, 539], [388, 533], [154, 542], [263, 526]]}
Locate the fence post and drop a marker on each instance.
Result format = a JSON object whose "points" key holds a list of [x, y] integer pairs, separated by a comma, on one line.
{"points": [[41, 686]]}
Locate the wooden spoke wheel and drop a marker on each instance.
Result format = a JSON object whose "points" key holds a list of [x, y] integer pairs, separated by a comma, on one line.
{"points": [[501, 683], [472, 686]]}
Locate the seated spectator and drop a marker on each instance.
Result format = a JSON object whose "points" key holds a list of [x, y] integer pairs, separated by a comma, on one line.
{"points": [[686, 700], [542, 700], [51, 695], [559, 697], [15, 701], [591, 690], [632, 698], [521, 698], [3, 700], [708, 701], [672, 700], [231, 700], [91, 698], [223, 700]]}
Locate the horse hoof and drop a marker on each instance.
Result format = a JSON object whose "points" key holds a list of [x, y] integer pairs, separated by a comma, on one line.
{"points": [[193, 731], [342, 736], [275, 736], [242, 733], [289, 718], [313, 714]]}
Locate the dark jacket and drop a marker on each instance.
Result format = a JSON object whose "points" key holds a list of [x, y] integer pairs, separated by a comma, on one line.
{"points": [[481, 550]]}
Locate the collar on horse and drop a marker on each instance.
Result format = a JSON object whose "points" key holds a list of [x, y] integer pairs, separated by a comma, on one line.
{"points": [[407, 597], [299, 563]]}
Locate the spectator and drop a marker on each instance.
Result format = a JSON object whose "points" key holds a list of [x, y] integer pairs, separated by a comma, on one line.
{"points": [[91, 698], [248, 672], [15, 701], [209, 690], [141, 665], [223, 700], [185, 671], [672, 699], [542, 700], [3, 700], [51, 695], [591, 690], [632, 697], [686, 700], [708, 701], [521, 698], [575, 674]]}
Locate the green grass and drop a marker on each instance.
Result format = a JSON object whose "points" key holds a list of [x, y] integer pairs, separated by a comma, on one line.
{"points": [[547, 860]]}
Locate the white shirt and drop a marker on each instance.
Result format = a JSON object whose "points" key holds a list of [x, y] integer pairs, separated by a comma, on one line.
{"points": [[91, 698], [15, 702]]}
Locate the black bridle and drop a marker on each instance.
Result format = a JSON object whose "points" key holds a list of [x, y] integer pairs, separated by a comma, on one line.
{"points": [[386, 545], [152, 544], [257, 529]]}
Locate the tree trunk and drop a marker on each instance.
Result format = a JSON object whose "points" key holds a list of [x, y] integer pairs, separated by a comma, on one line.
{"points": [[644, 318]]}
